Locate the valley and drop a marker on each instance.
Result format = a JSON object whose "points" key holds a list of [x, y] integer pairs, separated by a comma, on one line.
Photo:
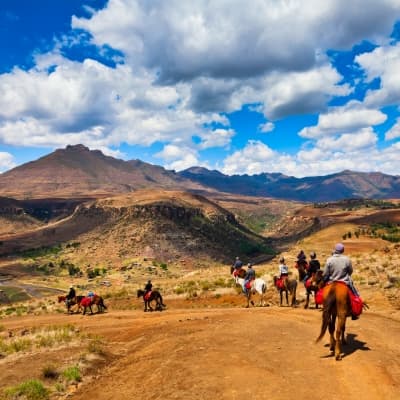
{"points": [[205, 343]]}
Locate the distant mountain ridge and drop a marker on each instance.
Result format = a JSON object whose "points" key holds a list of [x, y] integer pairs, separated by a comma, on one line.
{"points": [[342, 185], [77, 171]]}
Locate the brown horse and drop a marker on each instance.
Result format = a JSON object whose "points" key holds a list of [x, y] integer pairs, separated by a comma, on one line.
{"points": [[88, 302], [286, 286], [154, 296], [301, 266], [336, 305], [71, 302], [313, 284]]}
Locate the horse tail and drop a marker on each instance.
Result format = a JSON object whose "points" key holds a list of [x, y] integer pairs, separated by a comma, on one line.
{"points": [[329, 304], [102, 303], [264, 288]]}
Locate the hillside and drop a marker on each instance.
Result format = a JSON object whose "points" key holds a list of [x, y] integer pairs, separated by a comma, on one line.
{"points": [[77, 171], [343, 185], [164, 225]]}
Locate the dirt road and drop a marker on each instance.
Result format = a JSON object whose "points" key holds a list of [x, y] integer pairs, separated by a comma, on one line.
{"points": [[236, 353]]}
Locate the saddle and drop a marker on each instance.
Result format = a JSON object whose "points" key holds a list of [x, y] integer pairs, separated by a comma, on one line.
{"points": [[86, 301], [356, 302], [147, 295], [248, 284], [307, 284], [280, 282]]}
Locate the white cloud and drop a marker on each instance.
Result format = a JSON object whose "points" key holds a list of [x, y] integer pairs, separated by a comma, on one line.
{"points": [[343, 120], [256, 157], [230, 39], [382, 63], [394, 131], [266, 127], [349, 142], [6, 161], [216, 138], [179, 157]]}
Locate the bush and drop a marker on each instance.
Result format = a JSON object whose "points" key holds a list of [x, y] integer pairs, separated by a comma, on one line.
{"points": [[32, 389], [72, 374], [50, 372]]}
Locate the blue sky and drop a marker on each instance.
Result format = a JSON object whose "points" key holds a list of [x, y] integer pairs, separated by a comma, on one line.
{"points": [[298, 87]]}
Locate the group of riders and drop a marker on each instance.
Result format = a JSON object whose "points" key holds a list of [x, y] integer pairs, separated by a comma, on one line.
{"points": [[338, 268], [71, 297]]}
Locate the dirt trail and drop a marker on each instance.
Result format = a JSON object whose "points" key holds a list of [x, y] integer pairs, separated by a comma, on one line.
{"points": [[232, 353]]}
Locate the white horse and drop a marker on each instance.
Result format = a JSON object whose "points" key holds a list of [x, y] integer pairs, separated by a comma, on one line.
{"points": [[258, 285]]}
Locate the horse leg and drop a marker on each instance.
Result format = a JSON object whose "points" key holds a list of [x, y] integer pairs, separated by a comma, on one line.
{"points": [[281, 298], [339, 336], [331, 328], [287, 297], [307, 300]]}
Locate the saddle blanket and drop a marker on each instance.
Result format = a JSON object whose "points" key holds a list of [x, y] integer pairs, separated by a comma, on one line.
{"points": [[86, 302], [147, 295], [355, 301]]}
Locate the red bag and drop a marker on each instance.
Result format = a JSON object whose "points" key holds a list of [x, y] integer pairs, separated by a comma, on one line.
{"points": [[356, 304], [319, 296]]}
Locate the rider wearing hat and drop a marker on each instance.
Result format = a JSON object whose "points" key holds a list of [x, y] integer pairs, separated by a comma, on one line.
{"points": [[338, 267], [250, 276], [313, 266], [71, 294]]}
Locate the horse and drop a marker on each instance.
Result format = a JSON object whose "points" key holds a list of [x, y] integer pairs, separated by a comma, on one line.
{"points": [[336, 305], [155, 295], [258, 285], [286, 285], [88, 302], [312, 285], [71, 302], [301, 266]]}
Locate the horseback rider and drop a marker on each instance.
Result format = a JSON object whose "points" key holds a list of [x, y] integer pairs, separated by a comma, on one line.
{"points": [[249, 277], [338, 267], [237, 265], [301, 258], [283, 268], [148, 288], [71, 295], [313, 266]]}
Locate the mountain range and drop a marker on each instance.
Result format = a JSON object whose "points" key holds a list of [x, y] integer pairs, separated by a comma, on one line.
{"points": [[77, 172]]}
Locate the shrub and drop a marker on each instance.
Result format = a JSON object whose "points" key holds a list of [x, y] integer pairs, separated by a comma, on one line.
{"points": [[95, 346], [72, 374], [50, 372], [32, 389]]}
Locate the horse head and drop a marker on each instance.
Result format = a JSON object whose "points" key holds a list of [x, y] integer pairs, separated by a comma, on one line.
{"points": [[140, 293], [61, 298]]}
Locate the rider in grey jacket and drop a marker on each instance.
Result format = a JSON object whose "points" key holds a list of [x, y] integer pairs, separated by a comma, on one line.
{"points": [[338, 267]]}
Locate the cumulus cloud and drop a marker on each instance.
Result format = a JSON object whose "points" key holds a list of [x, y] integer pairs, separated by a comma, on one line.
{"points": [[6, 161], [182, 67], [394, 131], [178, 157], [183, 41], [256, 157], [345, 119], [382, 63], [266, 127]]}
